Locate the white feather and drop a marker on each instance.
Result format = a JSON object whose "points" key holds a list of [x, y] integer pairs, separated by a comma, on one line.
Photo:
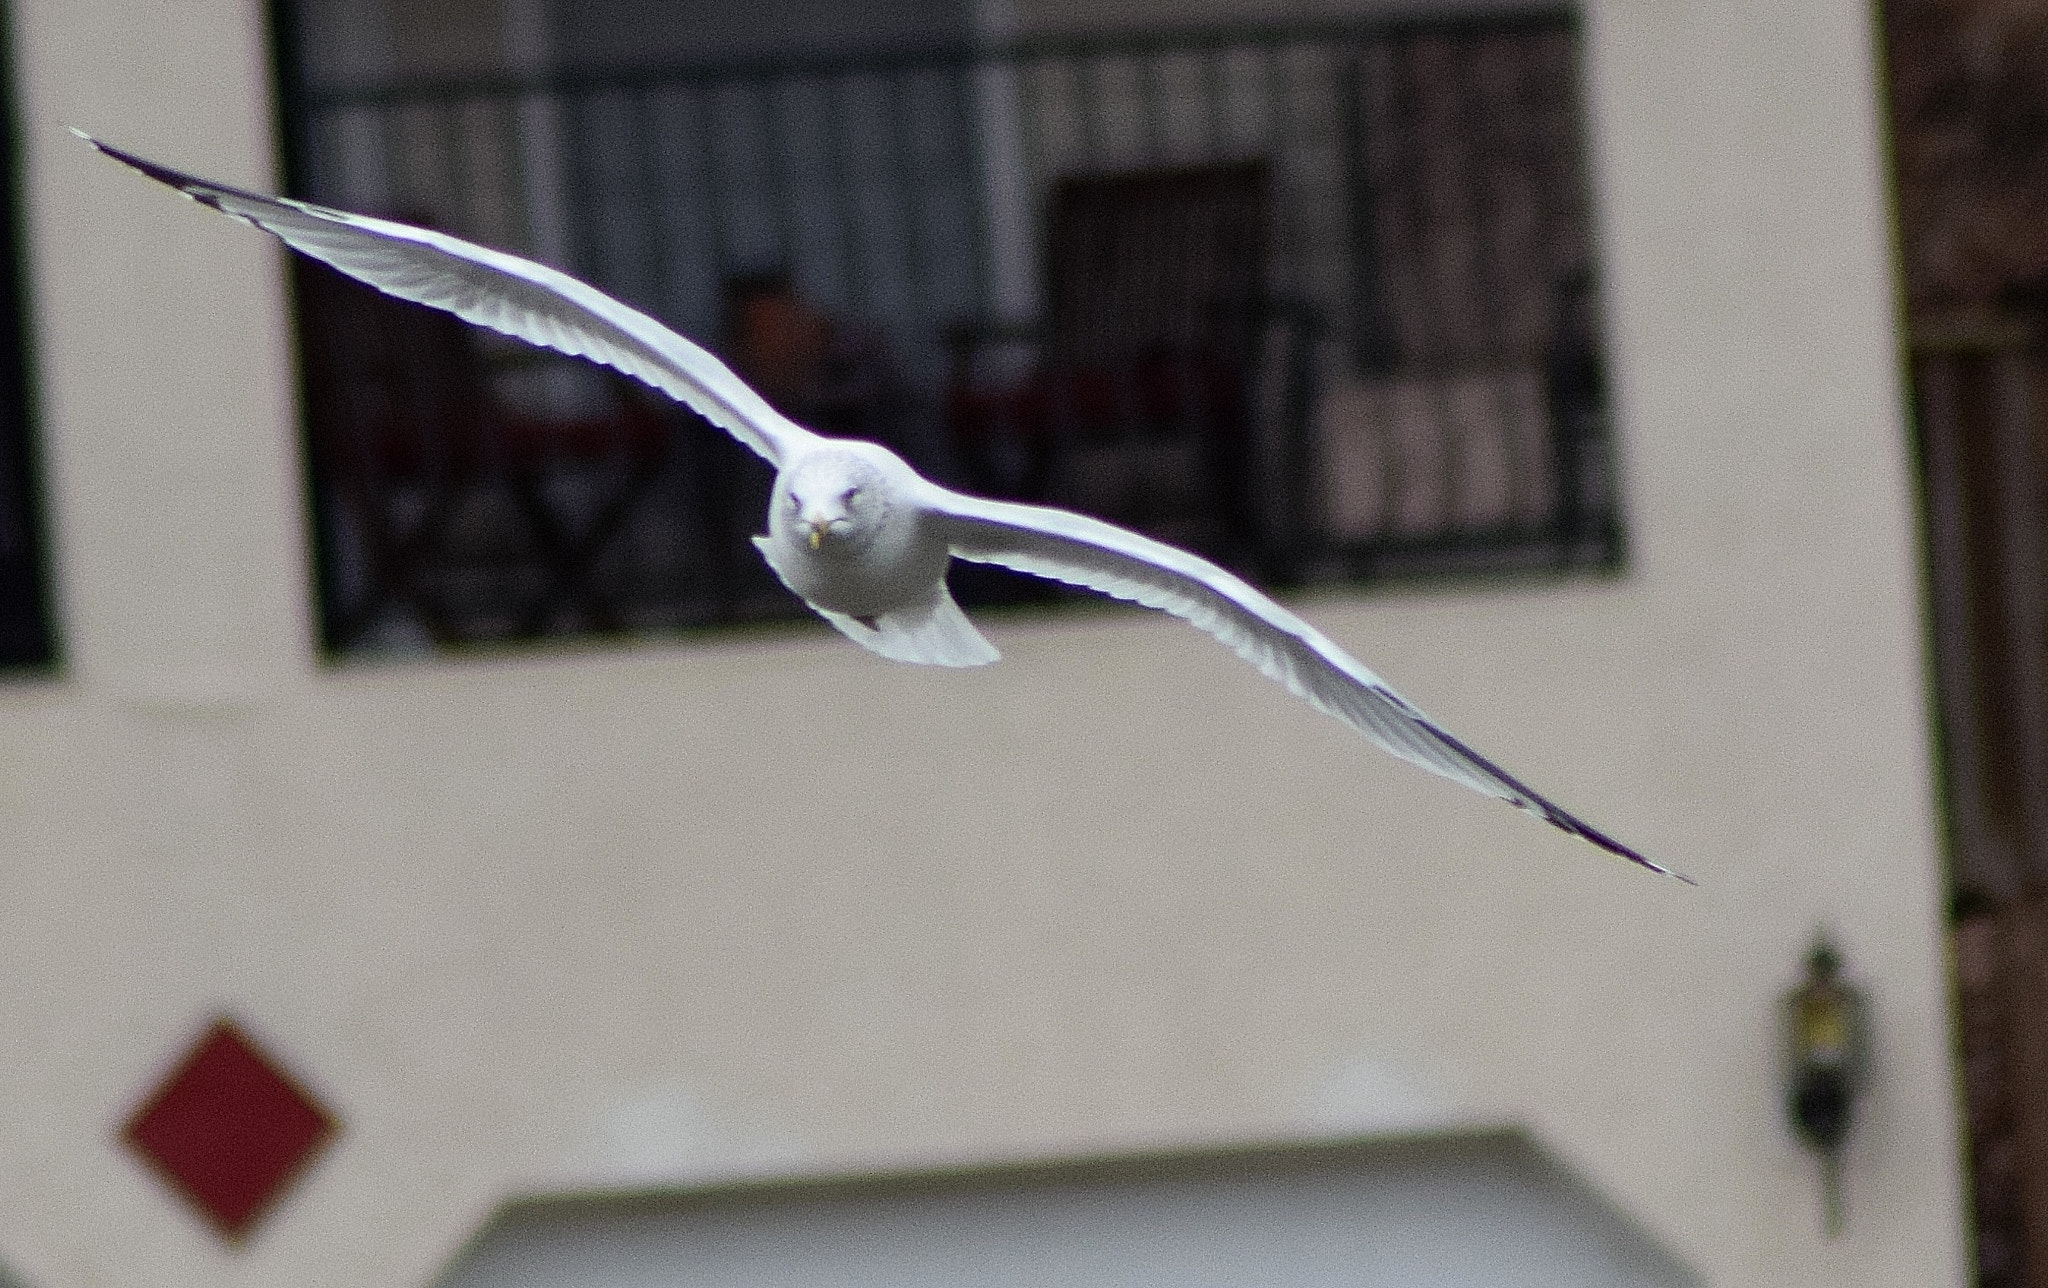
{"points": [[936, 634], [505, 293], [1078, 550]]}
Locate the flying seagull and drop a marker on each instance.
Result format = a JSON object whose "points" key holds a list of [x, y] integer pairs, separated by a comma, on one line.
{"points": [[854, 530]]}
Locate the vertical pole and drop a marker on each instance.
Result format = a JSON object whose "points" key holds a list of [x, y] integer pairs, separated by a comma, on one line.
{"points": [[2020, 536], [1980, 859], [529, 52], [1831, 1192], [2024, 1001], [1374, 347]]}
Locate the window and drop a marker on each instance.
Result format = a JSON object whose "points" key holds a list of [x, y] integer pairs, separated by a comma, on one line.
{"points": [[26, 638], [1318, 301]]}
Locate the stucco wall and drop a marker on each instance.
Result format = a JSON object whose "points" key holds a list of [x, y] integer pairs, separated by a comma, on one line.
{"points": [[799, 908]]}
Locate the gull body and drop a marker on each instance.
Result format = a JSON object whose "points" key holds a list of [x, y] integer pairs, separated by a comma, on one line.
{"points": [[850, 531], [853, 530]]}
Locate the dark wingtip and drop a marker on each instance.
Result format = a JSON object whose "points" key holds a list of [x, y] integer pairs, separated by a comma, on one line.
{"points": [[1566, 823], [185, 183], [1525, 799], [149, 168]]}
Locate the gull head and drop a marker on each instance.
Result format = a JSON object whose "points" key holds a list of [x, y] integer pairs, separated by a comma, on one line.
{"points": [[833, 500], [846, 530]]}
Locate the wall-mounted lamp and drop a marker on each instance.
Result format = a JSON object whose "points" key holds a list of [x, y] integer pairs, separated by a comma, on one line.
{"points": [[1826, 1046]]}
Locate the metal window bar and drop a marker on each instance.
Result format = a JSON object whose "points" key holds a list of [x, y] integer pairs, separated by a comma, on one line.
{"points": [[1422, 387]]}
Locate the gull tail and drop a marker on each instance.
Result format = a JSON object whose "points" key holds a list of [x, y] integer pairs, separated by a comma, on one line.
{"points": [[935, 633], [930, 632]]}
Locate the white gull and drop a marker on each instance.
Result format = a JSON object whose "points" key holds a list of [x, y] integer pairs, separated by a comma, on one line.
{"points": [[856, 532]]}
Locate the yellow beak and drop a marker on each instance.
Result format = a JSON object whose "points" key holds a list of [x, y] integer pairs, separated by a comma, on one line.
{"points": [[818, 533]]}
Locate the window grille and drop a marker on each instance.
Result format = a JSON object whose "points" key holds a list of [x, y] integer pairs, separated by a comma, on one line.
{"points": [[1384, 355]]}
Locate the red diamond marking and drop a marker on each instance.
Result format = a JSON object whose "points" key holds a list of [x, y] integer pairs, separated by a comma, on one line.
{"points": [[229, 1129]]}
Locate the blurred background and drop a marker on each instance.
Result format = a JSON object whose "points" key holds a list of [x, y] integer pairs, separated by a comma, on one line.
{"points": [[438, 851]]}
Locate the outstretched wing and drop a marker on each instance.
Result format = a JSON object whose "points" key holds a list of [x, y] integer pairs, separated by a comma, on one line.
{"points": [[1088, 552], [490, 288]]}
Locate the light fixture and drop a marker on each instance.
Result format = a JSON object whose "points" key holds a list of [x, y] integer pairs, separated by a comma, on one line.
{"points": [[1826, 1046]]}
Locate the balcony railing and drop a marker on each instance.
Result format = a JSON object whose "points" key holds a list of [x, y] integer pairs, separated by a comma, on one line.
{"points": [[1317, 300]]}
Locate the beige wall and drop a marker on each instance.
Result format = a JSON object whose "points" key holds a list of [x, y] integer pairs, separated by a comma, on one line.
{"points": [[767, 903]]}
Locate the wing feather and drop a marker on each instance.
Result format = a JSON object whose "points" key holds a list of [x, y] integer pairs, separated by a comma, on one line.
{"points": [[1099, 556], [505, 293]]}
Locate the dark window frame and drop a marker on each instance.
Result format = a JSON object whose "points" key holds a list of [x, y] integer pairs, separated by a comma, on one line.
{"points": [[1579, 529], [28, 631]]}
